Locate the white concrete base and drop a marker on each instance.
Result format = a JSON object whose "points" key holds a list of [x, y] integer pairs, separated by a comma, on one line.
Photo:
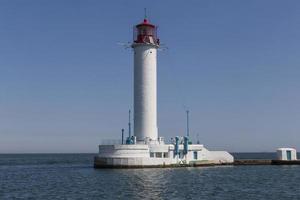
{"points": [[157, 155]]}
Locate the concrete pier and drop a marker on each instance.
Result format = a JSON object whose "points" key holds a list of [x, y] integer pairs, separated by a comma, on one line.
{"points": [[252, 162], [98, 163], [285, 162], [265, 162]]}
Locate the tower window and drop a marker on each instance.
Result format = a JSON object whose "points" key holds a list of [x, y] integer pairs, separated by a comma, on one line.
{"points": [[158, 155], [195, 155]]}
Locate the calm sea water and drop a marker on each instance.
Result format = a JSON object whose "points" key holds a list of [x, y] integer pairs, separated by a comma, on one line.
{"points": [[72, 176]]}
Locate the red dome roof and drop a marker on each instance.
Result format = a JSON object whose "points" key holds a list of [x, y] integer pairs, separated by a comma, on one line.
{"points": [[145, 23]]}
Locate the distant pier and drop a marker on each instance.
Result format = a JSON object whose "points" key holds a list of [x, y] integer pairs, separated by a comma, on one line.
{"points": [[265, 162]]}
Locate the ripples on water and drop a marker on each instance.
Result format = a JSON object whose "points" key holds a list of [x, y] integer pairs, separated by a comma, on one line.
{"points": [[72, 176]]}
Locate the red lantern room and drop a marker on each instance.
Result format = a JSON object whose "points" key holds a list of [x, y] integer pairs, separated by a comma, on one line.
{"points": [[145, 33]]}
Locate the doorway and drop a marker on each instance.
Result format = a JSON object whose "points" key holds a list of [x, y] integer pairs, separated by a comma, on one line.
{"points": [[289, 155]]}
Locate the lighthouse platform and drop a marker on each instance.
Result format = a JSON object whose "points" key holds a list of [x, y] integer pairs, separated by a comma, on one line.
{"points": [[158, 154]]}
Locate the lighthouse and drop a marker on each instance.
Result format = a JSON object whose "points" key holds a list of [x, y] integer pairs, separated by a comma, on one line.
{"points": [[145, 148], [145, 45]]}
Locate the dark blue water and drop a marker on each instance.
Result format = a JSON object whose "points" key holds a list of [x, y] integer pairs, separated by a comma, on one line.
{"points": [[72, 176]]}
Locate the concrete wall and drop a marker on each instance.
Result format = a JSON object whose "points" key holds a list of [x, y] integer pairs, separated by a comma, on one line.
{"points": [[145, 91], [139, 155], [127, 151], [282, 153], [220, 157]]}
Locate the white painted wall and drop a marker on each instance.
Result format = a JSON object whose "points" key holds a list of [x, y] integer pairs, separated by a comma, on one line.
{"points": [[220, 157], [139, 155], [124, 151], [145, 91], [282, 153]]}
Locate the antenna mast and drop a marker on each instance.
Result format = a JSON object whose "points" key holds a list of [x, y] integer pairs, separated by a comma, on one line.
{"points": [[145, 13], [187, 124], [129, 123]]}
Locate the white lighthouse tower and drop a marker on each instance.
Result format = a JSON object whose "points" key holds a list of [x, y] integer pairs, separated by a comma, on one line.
{"points": [[145, 148], [145, 45]]}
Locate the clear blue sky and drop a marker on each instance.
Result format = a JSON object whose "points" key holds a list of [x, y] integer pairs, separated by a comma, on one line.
{"points": [[65, 83]]}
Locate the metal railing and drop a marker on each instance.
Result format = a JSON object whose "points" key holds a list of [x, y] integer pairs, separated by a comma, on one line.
{"points": [[110, 141]]}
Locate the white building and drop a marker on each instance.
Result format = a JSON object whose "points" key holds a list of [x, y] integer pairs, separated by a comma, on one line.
{"points": [[145, 148], [286, 154]]}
